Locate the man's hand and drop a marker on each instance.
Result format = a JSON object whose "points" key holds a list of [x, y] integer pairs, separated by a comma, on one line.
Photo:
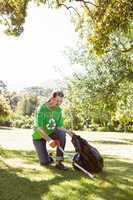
{"points": [[52, 143]]}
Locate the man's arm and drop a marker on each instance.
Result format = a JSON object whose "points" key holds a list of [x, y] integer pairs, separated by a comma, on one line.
{"points": [[67, 131], [46, 137], [43, 134]]}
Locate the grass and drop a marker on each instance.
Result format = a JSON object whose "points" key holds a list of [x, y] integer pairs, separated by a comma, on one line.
{"points": [[26, 180], [109, 142]]}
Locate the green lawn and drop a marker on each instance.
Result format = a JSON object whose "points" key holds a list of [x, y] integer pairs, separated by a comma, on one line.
{"points": [[21, 178]]}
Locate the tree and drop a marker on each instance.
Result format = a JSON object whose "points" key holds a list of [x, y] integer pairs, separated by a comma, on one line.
{"points": [[12, 98], [13, 15], [104, 86], [27, 105], [5, 109], [107, 17], [111, 17], [124, 112], [3, 86]]}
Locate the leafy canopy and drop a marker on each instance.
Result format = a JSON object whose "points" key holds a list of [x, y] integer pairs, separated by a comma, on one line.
{"points": [[107, 17]]}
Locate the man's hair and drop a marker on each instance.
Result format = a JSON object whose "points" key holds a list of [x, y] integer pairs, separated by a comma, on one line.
{"points": [[57, 93]]}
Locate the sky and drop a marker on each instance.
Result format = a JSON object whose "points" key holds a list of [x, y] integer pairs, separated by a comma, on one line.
{"points": [[31, 59]]}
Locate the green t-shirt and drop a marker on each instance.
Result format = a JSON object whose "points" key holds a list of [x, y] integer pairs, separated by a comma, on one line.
{"points": [[47, 120]]}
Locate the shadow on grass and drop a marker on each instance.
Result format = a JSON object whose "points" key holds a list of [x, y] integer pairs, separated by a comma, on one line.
{"points": [[15, 187], [110, 142], [114, 183], [29, 156], [129, 140]]}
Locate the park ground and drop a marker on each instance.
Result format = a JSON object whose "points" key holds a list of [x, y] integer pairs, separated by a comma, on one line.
{"points": [[21, 176]]}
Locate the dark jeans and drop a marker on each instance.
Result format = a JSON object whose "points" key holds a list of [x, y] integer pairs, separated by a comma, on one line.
{"points": [[41, 149]]}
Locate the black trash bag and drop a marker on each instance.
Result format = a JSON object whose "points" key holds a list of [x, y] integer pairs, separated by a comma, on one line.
{"points": [[87, 156]]}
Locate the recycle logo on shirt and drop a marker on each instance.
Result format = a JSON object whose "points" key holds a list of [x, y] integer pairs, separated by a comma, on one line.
{"points": [[51, 124]]}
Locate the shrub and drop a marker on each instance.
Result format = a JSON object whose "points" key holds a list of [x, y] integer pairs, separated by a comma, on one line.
{"points": [[22, 122], [101, 129]]}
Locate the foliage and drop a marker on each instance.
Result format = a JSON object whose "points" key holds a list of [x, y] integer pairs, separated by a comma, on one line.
{"points": [[124, 107], [3, 86], [27, 105], [106, 16], [22, 105], [5, 109], [19, 121], [102, 95], [13, 13], [22, 117], [72, 112], [12, 98], [109, 17]]}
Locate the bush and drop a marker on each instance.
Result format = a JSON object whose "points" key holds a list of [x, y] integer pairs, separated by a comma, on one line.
{"points": [[101, 129], [22, 122], [67, 123], [130, 128], [6, 123], [5, 109]]}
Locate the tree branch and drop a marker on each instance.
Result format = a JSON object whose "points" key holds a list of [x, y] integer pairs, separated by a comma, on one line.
{"points": [[88, 2], [67, 7], [127, 50], [7, 23]]}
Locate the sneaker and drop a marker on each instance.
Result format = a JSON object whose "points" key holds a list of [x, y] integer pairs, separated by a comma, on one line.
{"points": [[51, 160], [61, 167]]}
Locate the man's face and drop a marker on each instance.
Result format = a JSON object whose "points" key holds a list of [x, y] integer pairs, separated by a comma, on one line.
{"points": [[59, 100], [56, 101]]}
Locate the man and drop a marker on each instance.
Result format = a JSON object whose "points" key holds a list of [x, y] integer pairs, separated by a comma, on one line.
{"points": [[48, 127]]}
